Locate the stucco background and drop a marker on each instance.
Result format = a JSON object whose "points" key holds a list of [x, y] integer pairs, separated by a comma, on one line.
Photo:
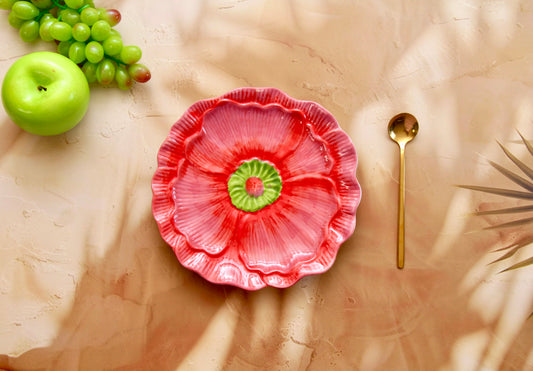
{"points": [[87, 283]]}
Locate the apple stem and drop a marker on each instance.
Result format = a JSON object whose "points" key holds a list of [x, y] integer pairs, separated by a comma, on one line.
{"points": [[41, 88]]}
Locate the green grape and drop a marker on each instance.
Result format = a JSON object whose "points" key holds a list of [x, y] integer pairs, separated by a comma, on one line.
{"points": [[25, 10], [114, 32], [63, 48], [74, 4], [44, 30], [6, 4], [43, 4], [89, 16], [61, 31], [69, 16], [76, 52], [123, 78], [46, 17], [15, 21], [89, 69], [81, 32], [100, 30], [112, 45], [105, 72], [139, 72], [94, 52], [29, 31], [84, 34], [111, 16], [130, 54]]}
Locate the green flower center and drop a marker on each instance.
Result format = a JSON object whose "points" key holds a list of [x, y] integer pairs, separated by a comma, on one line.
{"points": [[254, 185]]}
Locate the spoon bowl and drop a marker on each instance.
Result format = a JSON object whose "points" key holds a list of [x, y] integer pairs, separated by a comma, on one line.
{"points": [[402, 129]]}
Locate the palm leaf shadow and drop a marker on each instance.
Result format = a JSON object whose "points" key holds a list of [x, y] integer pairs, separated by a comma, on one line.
{"points": [[527, 185]]}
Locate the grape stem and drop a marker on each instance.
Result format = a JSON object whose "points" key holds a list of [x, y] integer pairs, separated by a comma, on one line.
{"points": [[117, 61], [41, 14], [59, 5], [83, 7]]}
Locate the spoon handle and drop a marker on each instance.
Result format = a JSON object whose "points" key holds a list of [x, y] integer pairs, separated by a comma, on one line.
{"points": [[401, 211]]}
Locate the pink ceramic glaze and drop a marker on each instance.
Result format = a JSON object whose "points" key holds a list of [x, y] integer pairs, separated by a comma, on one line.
{"points": [[296, 235]]}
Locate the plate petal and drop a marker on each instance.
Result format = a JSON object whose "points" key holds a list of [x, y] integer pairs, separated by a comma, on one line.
{"points": [[225, 269], [232, 133], [312, 156], [344, 157], [203, 213], [291, 230]]}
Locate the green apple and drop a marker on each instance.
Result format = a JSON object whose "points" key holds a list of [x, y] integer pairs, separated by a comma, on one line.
{"points": [[45, 93]]}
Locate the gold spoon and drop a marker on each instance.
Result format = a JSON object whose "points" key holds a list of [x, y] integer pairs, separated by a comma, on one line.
{"points": [[402, 129]]}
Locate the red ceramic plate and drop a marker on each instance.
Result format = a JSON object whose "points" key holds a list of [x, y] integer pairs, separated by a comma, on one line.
{"points": [[256, 189]]}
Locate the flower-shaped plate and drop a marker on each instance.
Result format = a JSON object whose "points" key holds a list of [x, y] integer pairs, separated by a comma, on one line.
{"points": [[255, 188]]}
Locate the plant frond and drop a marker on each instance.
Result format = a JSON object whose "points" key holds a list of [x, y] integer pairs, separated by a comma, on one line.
{"points": [[528, 144], [527, 184], [527, 170], [509, 210], [523, 263], [519, 244], [514, 223], [506, 255], [500, 191], [524, 183]]}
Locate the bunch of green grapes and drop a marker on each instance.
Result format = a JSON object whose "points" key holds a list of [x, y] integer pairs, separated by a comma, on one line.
{"points": [[84, 34]]}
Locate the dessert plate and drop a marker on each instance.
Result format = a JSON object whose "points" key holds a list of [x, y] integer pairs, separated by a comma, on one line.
{"points": [[255, 188]]}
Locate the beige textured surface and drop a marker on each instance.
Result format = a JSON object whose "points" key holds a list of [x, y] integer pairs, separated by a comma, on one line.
{"points": [[86, 282]]}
